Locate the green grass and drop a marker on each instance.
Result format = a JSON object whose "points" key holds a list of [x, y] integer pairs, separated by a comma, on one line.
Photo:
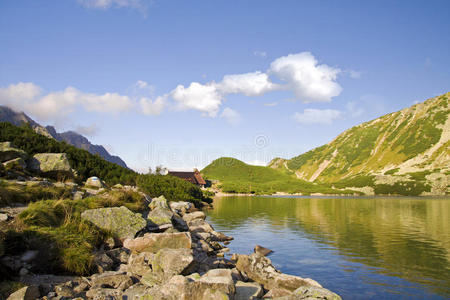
{"points": [[237, 177], [355, 181], [407, 188], [391, 172]]}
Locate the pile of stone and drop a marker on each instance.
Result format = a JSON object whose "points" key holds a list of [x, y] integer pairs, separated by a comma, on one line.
{"points": [[172, 253]]}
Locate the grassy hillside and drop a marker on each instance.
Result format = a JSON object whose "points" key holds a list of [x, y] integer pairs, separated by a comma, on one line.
{"points": [[236, 176]]}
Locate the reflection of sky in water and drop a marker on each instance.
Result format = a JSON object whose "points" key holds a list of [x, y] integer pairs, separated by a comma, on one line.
{"points": [[300, 250]]}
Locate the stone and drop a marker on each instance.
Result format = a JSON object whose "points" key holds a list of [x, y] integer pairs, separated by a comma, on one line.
{"points": [[135, 291], [102, 262], [51, 164], [160, 202], [17, 164], [95, 182], [172, 262], [277, 293], [120, 221], [220, 237], [3, 217], [119, 255], [181, 207], [111, 280], [194, 215], [179, 223], [139, 264], [260, 269], [160, 216], [29, 255], [312, 292], [9, 152], [261, 250], [104, 293], [78, 195], [153, 242], [248, 290], [26, 293], [219, 279], [199, 225]]}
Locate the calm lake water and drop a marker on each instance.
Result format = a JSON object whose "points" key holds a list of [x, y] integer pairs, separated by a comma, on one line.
{"points": [[361, 248]]}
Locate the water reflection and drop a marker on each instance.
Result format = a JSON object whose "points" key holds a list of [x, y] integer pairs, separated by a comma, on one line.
{"points": [[385, 247]]}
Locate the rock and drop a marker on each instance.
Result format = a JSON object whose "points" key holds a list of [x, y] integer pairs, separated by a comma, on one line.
{"points": [[220, 237], [120, 221], [119, 255], [172, 262], [179, 223], [194, 215], [102, 262], [95, 182], [277, 293], [260, 269], [29, 255], [199, 225], [135, 292], [160, 202], [9, 152], [78, 195], [139, 264], [181, 207], [312, 292], [51, 164], [104, 293], [3, 217], [160, 216], [219, 279], [153, 242], [111, 280], [26, 293], [17, 164], [261, 250], [248, 290]]}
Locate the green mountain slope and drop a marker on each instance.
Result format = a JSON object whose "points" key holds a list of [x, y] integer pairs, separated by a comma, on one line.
{"points": [[236, 176], [405, 152]]}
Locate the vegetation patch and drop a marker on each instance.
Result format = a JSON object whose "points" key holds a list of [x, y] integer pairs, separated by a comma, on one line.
{"points": [[407, 188]]}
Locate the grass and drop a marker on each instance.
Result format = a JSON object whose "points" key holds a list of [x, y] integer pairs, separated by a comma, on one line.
{"points": [[237, 177], [16, 193], [9, 287], [66, 243]]}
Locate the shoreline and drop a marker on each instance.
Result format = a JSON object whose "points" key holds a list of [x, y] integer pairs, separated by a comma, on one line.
{"points": [[320, 195]]}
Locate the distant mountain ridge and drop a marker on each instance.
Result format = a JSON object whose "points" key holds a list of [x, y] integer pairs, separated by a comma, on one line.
{"points": [[70, 137]]}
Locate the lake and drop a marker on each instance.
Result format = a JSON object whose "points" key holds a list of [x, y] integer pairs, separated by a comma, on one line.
{"points": [[360, 248]]}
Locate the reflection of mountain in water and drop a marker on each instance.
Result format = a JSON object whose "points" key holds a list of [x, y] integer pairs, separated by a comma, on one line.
{"points": [[404, 237]]}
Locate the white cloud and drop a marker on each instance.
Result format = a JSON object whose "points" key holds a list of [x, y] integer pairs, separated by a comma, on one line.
{"points": [[256, 162], [354, 110], [204, 98], [231, 116], [309, 81], [141, 84], [104, 4], [154, 107], [57, 105], [90, 130], [249, 84], [260, 53], [317, 116], [271, 104], [354, 74]]}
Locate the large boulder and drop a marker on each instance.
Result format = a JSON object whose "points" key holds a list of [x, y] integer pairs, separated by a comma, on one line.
{"points": [[181, 207], [160, 216], [153, 242], [51, 164], [260, 269], [248, 290], [172, 262], [312, 292], [160, 202], [95, 182], [120, 221], [26, 293], [9, 152], [194, 215], [111, 279]]}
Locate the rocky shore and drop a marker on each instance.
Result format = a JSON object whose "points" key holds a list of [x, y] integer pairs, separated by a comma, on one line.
{"points": [[168, 252]]}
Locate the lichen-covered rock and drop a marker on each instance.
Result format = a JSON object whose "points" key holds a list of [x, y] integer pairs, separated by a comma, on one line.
{"points": [[248, 291], [26, 293], [260, 269], [194, 215], [153, 242], [95, 182], [181, 207], [219, 279], [9, 152], [111, 279], [160, 216], [139, 264], [17, 164], [312, 292], [160, 202], [172, 262], [120, 221], [51, 164], [104, 293]]}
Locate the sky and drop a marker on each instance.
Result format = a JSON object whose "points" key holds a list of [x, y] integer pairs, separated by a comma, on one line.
{"points": [[181, 83]]}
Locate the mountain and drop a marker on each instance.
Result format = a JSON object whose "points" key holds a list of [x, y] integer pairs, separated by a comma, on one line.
{"points": [[405, 152], [70, 137], [235, 176]]}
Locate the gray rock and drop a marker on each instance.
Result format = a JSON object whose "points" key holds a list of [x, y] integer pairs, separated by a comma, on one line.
{"points": [[261, 250], [248, 290], [29, 255], [120, 221], [139, 264], [160, 216], [102, 262], [160, 202], [111, 280], [104, 293], [26, 293], [51, 164], [119, 255], [312, 292], [9, 152], [3, 217], [181, 207], [194, 215], [95, 182], [179, 223], [172, 262], [78, 195], [153, 242], [135, 292]]}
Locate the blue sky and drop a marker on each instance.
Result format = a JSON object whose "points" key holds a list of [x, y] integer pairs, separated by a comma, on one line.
{"points": [[180, 83]]}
